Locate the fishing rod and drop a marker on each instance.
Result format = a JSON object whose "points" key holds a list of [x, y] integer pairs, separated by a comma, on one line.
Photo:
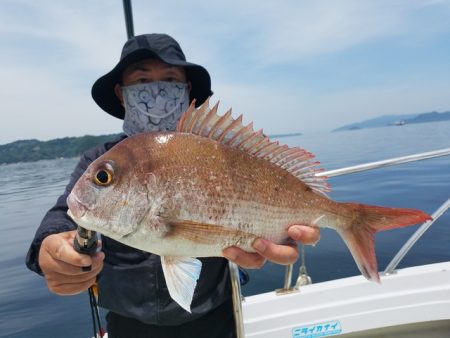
{"points": [[128, 18]]}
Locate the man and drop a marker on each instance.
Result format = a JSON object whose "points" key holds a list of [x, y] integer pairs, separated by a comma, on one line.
{"points": [[149, 89]]}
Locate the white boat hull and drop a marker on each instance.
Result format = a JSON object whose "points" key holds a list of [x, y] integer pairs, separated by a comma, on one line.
{"points": [[411, 299]]}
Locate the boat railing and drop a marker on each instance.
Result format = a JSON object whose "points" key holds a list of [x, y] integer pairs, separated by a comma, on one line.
{"points": [[287, 286]]}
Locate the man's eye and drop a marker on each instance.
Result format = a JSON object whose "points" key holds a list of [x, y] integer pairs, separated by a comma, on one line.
{"points": [[142, 80]]}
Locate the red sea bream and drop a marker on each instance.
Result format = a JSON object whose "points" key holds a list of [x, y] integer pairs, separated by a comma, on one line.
{"points": [[212, 184]]}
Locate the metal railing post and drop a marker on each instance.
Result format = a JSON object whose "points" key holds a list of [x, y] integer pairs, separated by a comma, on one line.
{"points": [[237, 299]]}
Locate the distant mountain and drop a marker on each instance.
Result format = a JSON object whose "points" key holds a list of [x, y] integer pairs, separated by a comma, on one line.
{"points": [[394, 120], [34, 150], [430, 117]]}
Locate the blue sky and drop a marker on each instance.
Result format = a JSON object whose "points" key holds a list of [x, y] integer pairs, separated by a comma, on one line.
{"points": [[288, 65]]}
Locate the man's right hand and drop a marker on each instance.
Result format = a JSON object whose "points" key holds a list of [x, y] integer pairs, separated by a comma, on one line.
{"points": [[63, 266]]}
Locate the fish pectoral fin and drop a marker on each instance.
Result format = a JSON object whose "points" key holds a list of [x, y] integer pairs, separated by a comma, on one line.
{"points": [[181, 275]]}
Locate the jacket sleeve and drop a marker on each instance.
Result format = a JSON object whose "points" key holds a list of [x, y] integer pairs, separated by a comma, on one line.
{"points": [[56, 219]]}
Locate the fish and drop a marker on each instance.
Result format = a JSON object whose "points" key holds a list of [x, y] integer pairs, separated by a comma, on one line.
{"points": [[214, 183]]}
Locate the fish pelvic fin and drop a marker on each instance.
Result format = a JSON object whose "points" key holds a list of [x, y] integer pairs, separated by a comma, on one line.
{"points": [[181, 275], [206, 122], [360, 234]]}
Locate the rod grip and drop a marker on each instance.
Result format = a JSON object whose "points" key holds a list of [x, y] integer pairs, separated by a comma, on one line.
{"points": [[85, 242]]}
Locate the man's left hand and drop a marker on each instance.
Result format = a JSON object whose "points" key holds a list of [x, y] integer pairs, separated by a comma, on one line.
{"points": [[267, 250]]}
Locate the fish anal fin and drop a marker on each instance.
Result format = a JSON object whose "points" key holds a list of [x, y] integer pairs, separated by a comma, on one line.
{"points": [[362, 247], [181, 275]]}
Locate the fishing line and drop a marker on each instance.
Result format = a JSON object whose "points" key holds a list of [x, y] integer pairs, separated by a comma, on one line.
{"points": [[92, 312], [96, 323]]}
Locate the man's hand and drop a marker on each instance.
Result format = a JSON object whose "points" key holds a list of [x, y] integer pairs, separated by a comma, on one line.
{"points": [[63, 266], [266, 250]]}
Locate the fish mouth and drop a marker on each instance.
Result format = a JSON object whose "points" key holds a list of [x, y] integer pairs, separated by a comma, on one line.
{"points": [[76, 209]]}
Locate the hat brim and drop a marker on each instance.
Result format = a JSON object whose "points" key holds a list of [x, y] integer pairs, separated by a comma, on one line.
{"points": [[103, 89]]}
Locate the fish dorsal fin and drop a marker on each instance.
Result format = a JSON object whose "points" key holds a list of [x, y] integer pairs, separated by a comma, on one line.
{"points": [[204, 121]]}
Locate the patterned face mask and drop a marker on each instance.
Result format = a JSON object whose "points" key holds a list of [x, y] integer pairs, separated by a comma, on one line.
{"points": [[154, 106]]}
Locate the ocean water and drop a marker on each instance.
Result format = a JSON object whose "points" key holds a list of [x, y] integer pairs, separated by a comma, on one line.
{"points": [[28, 190]]}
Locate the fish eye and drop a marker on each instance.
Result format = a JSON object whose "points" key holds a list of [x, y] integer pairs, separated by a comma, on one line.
{"points": [[104, 175]]}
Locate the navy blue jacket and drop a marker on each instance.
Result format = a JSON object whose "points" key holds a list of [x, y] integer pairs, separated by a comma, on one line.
{"points": [[132, 282]]}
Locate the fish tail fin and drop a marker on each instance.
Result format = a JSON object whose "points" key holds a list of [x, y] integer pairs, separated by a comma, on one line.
{"points": [[359, 236]]}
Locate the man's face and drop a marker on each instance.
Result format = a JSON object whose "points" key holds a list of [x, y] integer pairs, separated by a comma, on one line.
{"points": [[150, 70]]}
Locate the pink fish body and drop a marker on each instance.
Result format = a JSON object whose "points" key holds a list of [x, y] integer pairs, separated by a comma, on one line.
{"points": [[214, 184]]}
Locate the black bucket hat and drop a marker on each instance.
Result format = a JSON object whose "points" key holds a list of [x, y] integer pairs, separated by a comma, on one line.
{"points": [[160, 46]]}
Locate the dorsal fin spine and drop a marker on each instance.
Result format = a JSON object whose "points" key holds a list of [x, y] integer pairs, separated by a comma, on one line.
{"points": [[195, 116], [232, 125], [305, 168], [281, 154], [242, 131], [219, 123], [300, 165], [275, 152], [208, 117], [322, 186], [289, 155], [260, 144], [295, 159], [182, 122], [266, 149], [245, 142]]}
